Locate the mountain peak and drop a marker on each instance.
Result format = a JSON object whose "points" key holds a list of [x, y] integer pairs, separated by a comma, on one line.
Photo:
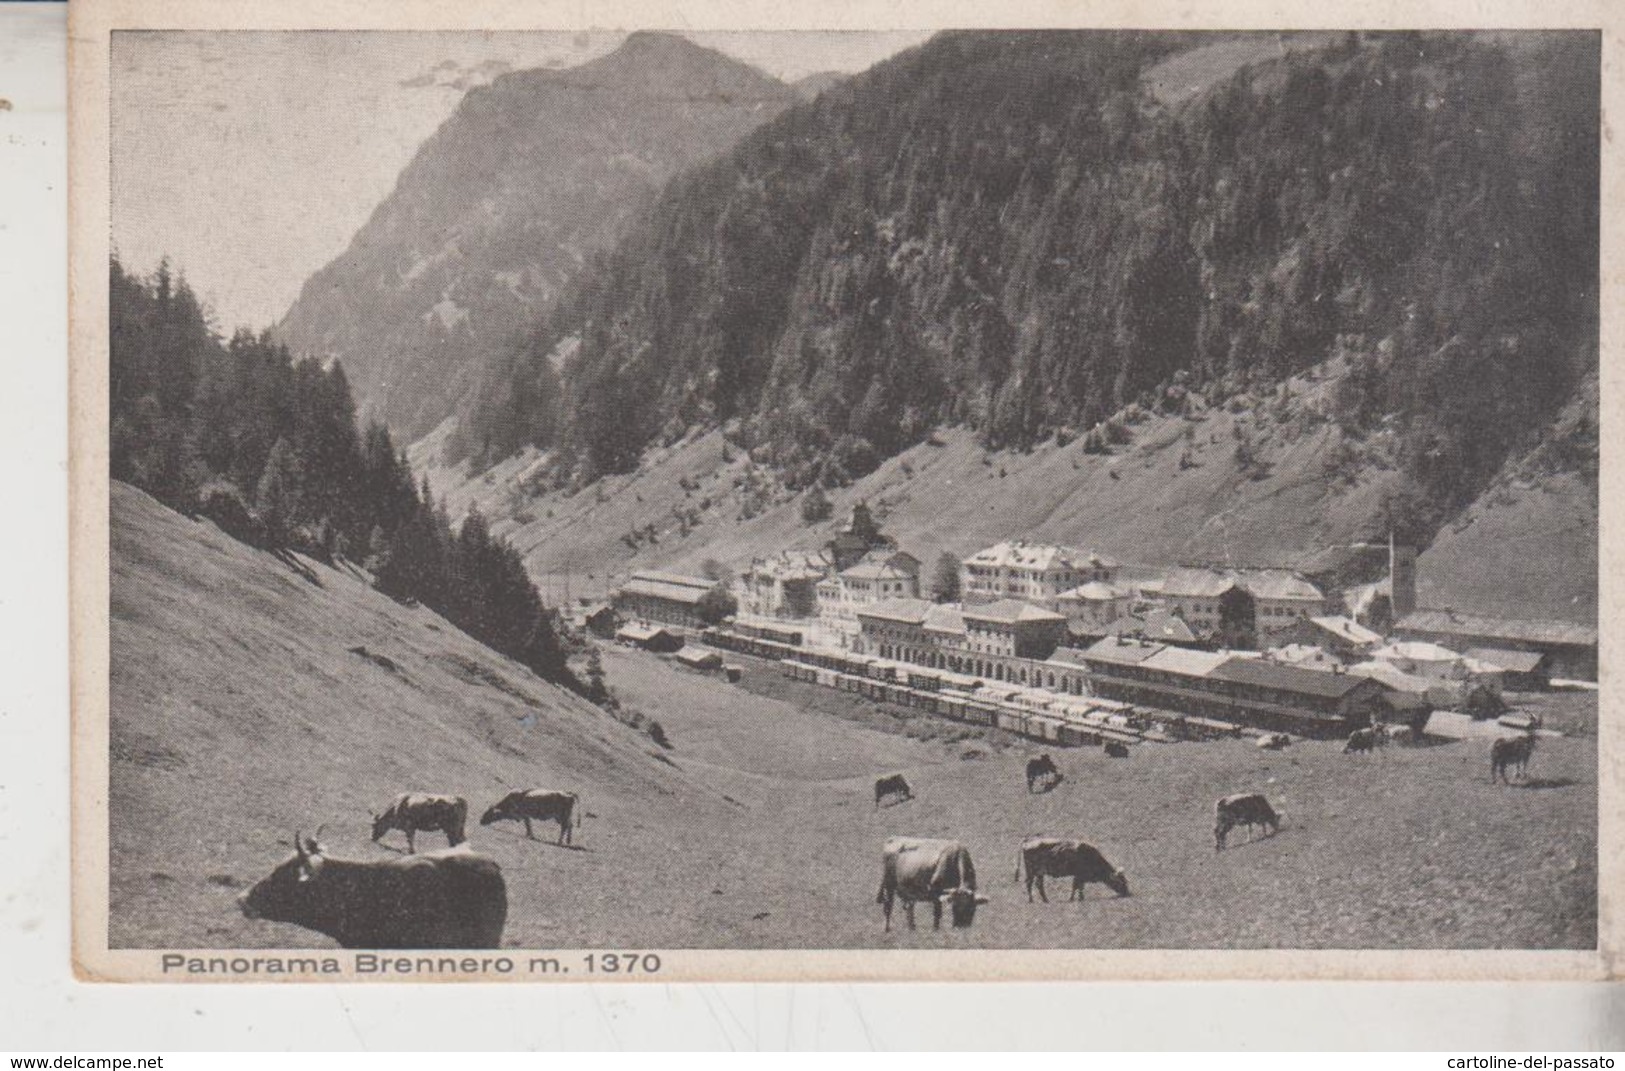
{"points": [[663, 61], [658, 41], [491, 217]]}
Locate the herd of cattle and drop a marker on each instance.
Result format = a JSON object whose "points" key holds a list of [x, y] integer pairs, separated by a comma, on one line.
{"points": [[452, 898], [941, 872], [456, 898]]}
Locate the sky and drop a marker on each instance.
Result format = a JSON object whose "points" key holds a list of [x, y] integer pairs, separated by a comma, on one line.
{"points": [[250, 159]]}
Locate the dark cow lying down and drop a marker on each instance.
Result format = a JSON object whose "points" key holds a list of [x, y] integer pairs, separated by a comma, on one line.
{"points": [[1054, 857], [452, 898], [1042, 768], [1244, 809], [540, 805], [892, 785], [914, 869], [420, 812]]}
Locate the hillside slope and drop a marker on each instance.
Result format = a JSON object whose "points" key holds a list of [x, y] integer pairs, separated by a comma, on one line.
{"points": [[1528, 546], [503, 204], [1177, 493], [1029, 233], [242, 713]]}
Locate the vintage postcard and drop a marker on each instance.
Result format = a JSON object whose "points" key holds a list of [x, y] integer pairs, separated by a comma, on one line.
{"points": [[703, 492]]}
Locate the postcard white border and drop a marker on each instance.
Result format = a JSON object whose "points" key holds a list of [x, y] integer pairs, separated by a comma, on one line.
{"points": [[91, 21]]}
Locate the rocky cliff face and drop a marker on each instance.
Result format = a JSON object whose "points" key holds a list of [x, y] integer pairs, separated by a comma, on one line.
{"points": [[503, 204]]}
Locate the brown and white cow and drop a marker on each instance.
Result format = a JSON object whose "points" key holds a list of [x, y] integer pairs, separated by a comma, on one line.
{"points": [[452, 898], [1055, 857], [892, 785], [539, 805], [1361, 740], [422, 812], [916, 869], [1243, 809]]}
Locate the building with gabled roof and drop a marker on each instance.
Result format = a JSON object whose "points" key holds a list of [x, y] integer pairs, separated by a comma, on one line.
{"points": [[900, 611], [945, 621], [698, 658], [600, 619], [897, 629], [898, 567], [1240, 606], [1336, 634], [1572, 647], [667, 598], [650, 638], [1013, 629], [1294, 680], [995, 642], [880, 576], [1186, 661], [784, 585], [1089, 608], [1038, 573], [1303, 654], [1160, 626], [1249, 690], [1522, 671]]}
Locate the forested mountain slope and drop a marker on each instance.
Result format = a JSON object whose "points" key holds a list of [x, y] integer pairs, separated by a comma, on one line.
{"points": [[1029, 236]]}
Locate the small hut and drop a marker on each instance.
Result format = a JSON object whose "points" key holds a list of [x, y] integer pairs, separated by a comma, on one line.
{"points": [[650, 638]]}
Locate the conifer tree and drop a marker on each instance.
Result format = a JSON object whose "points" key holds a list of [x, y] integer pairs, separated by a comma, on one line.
{"points": [[279, 496]]}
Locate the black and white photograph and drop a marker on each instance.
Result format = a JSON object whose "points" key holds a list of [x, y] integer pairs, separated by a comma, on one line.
{"points": [[599, 498]]}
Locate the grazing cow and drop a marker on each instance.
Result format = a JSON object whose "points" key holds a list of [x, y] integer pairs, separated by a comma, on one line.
{"points": [[452, 898], [914, 869], [891, 785], [1511, 751], [1116, 749], [1360, 740], [536, 804], [1056, 858], [419, 812], [1274, 741], [1243, 809], [1042, 768]]}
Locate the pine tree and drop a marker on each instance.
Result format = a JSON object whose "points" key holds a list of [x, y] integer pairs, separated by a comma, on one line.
{"points": [[279, 496]]}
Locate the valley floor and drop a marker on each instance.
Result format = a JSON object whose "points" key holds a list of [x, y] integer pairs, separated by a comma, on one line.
{"points": [[249, 701], [1411, 848]]}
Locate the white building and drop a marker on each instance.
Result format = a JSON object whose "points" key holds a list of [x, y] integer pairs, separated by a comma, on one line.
{"points": [[785, 585], [1090, 608], [1038, 573], [878, 577], [1216, 600]]}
